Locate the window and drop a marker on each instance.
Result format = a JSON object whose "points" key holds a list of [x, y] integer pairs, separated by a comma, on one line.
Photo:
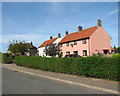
{"points": [[84, 41], [61, 45], [67, 44], [75, 52], [75, 42], [67, 53], [84, 52]]}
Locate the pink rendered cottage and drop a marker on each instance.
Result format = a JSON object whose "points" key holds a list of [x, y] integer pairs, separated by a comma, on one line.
{"points": [[86, 42]]}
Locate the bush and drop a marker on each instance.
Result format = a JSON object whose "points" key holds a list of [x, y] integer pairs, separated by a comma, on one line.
{"points": [[7, 58], [93, 66], [116, 55]]}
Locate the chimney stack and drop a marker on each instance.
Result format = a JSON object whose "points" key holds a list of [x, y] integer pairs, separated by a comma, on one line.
{"points": [[99, 23], [31, 43], [59, 35], [66, 33], [50, 37], [79, 28]]}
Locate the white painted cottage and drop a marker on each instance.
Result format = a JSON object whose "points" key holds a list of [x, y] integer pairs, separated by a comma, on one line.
{"points": [[48, 42]]}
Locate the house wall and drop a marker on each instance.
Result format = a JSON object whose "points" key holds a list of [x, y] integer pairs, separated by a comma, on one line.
{"points": [[79, 47], [99, 40], [41, 49], [32, 52]]}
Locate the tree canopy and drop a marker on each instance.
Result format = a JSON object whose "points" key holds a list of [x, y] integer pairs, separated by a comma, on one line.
{"points": [[18, 48], [118, 50], [52, 50]]}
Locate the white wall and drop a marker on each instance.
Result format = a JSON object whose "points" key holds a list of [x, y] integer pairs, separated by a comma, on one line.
{"points": [[41, 49], [57, 41]]}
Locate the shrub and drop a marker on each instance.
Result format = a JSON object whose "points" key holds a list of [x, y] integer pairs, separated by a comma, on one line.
{"points": [[93, 66], [116, 55], [7, 58]]}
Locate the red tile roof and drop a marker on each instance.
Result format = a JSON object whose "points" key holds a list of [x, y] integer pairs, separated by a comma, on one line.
{"points": [[79, 35], [48, 42]]}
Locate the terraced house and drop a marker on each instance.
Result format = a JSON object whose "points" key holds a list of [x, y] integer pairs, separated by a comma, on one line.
{"points": [[48, 42], [87, 42]]}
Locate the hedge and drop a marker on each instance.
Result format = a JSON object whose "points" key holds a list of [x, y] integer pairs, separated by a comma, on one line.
{"points": [[93, 66], [7, 58]]}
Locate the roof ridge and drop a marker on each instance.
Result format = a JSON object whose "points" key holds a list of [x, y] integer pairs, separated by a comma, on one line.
{"points": [[79, 35], [47, 42], [82, 30]]}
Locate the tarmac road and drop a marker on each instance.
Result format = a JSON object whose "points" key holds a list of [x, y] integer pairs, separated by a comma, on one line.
{"points": [[15, 82]]}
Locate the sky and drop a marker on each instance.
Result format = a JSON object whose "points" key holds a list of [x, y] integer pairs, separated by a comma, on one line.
{"points": [[37, 21]]}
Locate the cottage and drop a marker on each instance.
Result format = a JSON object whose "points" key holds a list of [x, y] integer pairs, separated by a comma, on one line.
{"points": [[87, 42], [48, 42], [32, 50]]}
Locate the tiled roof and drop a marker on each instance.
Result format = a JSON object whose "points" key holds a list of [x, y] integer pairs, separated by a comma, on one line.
{"points": [[48, 42], [79, 35], [31, 46]]}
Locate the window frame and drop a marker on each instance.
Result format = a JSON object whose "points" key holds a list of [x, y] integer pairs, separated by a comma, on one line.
{"points": [[67, 52], [83, 41], [67, 44], [75, 43], [75, 53], [85, 53]]}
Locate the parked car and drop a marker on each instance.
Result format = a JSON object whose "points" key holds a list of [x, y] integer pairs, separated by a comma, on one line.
{"points": [[72, 55]]}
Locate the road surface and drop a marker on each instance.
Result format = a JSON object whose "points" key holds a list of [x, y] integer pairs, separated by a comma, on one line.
{"points": [[15, 82]]}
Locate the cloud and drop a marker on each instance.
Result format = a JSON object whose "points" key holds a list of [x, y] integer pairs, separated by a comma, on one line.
{"points": [[113, 12], [37, 39], [111, 24]]}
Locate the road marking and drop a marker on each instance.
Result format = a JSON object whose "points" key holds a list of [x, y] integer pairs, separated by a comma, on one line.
{"points": [[66, 81]]}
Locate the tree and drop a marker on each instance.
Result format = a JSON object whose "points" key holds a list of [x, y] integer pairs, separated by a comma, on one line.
{"points": [[18, 48], [118, 50], [52, 50], [115, 49]]}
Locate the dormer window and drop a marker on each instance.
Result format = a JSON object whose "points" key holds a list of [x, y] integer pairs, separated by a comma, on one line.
{"points": [[75, 42], [67, 44], [84, 41]]}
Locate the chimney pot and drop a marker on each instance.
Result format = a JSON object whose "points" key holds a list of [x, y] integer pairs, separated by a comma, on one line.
{"points": [[59, 35], [66, 32], [50, 37], [99, 23], [79, 28]]}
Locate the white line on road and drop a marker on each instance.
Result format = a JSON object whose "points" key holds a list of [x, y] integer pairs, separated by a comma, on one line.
{"points": [[66, 81]]}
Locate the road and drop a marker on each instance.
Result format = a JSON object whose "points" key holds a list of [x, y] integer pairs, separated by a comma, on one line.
{"points": [[15, 82]]}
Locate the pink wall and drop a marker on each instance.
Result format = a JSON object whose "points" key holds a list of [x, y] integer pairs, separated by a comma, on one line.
{"points": [[99, 40], [79, 47]]}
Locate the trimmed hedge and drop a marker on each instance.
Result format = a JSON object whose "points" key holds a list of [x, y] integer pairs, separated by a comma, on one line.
{"points": [[7, 58], [93, 66]]}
